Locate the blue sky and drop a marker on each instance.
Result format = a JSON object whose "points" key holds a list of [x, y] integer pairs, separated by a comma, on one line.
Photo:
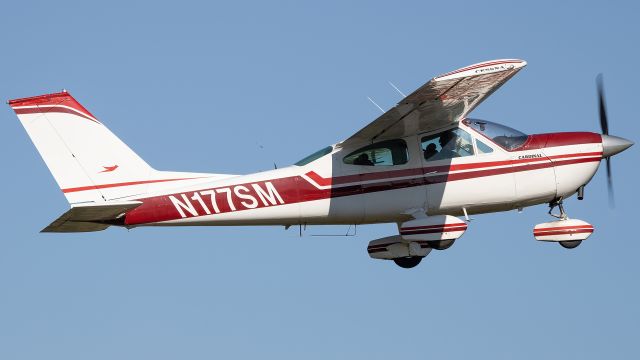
{"points": [[232, 87]]}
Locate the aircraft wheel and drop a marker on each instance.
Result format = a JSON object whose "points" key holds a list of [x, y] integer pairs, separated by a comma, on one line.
{"points": [[441, 244], [408, 262], [570, 244]]}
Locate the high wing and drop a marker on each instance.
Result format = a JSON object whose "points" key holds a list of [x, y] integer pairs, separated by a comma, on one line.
{"points": [[444, 100]]}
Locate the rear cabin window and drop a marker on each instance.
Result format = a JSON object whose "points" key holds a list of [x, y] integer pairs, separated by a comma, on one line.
{"points": [[315, 156], [384, 153]]}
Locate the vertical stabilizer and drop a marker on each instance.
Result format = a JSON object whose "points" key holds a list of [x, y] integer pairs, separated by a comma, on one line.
{"points": [[88, 161]]}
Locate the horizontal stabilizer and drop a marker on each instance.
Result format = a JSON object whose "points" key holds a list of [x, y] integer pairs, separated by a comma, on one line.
{"points": [[90, 217]]}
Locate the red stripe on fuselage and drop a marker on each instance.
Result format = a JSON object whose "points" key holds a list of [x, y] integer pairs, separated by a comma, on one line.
{"points": [[446, 176], [296, 189], [362, 177], [319, 179], [438, 169], [128, 183]]}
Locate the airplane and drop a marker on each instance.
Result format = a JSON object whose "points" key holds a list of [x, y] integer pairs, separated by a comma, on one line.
{"points": [[422, 165]]}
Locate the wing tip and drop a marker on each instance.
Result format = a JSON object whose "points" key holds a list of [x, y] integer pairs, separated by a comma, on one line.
{"points": [[485, 67]]}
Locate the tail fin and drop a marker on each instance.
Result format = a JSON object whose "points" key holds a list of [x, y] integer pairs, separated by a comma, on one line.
{"points": [[89, 163]]}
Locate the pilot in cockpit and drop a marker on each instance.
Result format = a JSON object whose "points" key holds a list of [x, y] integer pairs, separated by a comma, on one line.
{"points": [[430, 151], [363, 159], [449, 143]]}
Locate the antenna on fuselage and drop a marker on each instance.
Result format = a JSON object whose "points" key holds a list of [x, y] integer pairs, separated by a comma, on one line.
{"points": [[374, 103], [261, 147], [398, 90]]}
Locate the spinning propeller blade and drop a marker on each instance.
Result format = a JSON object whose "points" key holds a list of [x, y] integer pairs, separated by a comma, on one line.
{"points": [[604, 122], [604, 125]]}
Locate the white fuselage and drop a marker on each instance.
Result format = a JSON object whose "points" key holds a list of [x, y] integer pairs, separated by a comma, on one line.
{"points": [[330, 191]]}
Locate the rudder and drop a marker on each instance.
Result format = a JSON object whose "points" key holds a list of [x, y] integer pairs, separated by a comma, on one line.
{"points": [[82, 154]]}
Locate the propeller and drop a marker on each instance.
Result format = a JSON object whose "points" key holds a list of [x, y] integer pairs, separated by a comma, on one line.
{"points": [[604, 126]]}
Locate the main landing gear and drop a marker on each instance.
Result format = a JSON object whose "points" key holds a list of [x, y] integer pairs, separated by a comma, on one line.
{"points": [[408, 262], [441, 244], [417, 238], [412, 261]]}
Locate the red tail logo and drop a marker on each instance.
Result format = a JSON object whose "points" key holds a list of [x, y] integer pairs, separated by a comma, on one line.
{"points": [[109, 168]]}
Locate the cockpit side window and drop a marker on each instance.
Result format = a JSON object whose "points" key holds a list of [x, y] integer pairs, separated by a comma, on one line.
{"points": [[483, 148], [448, 144], [384, 153], [506, 137]]}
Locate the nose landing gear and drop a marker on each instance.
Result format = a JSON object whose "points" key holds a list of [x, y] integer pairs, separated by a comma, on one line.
{"points": [[558, 203], [569, 233], [570, 244]]}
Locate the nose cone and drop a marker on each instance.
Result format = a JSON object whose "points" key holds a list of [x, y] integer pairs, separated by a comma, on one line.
{"points": [[612, 145]]}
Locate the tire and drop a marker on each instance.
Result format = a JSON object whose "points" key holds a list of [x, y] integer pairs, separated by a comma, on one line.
{"points": [[408, 262], [441, 244], [570, 244]]}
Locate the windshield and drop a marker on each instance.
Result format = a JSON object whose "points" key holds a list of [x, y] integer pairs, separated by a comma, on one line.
{"points": [[315, 156], [504, 136]]}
